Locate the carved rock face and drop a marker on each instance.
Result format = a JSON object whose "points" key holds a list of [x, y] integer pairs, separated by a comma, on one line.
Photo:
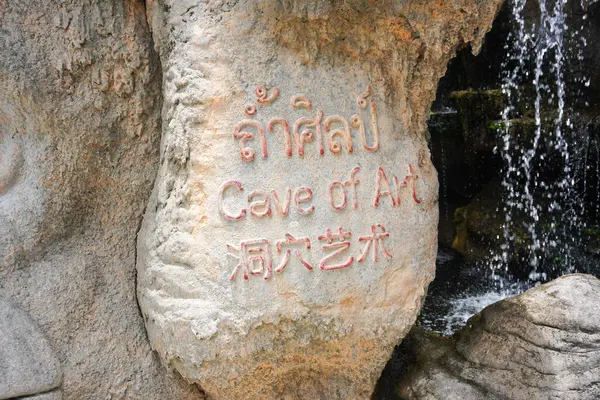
{"points": [[291, 234]]}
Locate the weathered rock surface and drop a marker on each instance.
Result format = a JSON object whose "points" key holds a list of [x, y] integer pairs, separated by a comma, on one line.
{"points": [[268, 266], [543, 344], [79, 132], [28, 366]]}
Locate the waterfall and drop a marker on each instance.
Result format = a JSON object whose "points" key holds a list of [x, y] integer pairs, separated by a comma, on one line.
{"points": [[541, 208], [547, 195]]}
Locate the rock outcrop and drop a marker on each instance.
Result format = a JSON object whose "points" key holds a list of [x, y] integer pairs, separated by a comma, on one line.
{"points": [[79, 133], [292, 230], [543, 344]]}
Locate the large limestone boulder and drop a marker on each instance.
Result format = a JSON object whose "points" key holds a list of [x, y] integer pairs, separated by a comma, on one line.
{"points": [[79, 133], [543, 344], [291, 233]]}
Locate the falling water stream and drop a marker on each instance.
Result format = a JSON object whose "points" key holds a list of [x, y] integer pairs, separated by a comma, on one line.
{"points": [[522, 178], [543, 211]]}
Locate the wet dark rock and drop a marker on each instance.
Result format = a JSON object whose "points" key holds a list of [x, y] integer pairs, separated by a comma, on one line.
{"points": [[479, 226], [591, 237], [476, 110]]}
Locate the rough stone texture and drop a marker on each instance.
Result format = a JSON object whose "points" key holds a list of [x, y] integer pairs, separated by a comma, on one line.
{"points": [[27, 363], [299, 333], [79, 132], [543, 344], [54, 395]]}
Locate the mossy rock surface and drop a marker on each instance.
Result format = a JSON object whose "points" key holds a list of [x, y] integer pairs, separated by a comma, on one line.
{"points": [[475, 110]]}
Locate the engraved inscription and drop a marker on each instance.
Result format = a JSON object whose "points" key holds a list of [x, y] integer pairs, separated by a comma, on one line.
{"points": [[374, 242], [313, 133], [250, 109], [308, 129], [286, 133], [383, 188], [262, 202], [364, 99], [247, 152], [225, 213], [263, 97], [261, 207], [338, 243], [345, 138], [282, 206], [300, 101], [352, 182], [307, 135], [290, 241], [340, 205], [303, 195], [254, 256]]}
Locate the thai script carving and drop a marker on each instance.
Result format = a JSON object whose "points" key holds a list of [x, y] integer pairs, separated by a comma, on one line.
{"points": [[307, 129], [250, 109], [300, 101], [247, 152], [286, 133], [344, 134], [308, 135], [263, 97]]}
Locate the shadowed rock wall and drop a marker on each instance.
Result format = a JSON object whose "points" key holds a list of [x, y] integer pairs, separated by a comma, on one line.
{"points": [[79, 132]]}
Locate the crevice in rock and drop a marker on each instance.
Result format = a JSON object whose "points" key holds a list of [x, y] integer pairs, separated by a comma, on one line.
{"points": [[154, 57]]}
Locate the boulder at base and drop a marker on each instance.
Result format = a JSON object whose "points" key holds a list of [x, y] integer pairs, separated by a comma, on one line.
{"points": [[543, 344]]}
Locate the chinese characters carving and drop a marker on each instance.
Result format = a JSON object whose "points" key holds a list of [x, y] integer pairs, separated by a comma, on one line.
{"points": [[340, 245], [254, 256], [290, 241]]}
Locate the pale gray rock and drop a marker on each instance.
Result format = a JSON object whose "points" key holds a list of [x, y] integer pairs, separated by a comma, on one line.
{"points": [[254, 294], [80, 107], [28, 365], [54, 395], [543, 344]]}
